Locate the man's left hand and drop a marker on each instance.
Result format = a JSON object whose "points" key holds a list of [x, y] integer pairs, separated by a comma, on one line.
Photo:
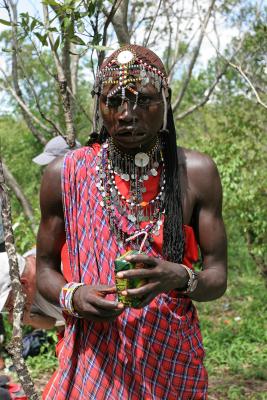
{"points": [[160, 276]]}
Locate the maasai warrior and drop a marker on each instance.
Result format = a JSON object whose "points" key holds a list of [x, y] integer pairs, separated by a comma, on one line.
{"points": [[131, 188]]}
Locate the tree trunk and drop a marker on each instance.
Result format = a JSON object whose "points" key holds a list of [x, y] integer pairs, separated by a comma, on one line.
{"points": [[15, 346], [119, 22]]}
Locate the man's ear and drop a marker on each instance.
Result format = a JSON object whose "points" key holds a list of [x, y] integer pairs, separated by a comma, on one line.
{"points": [[24, 281]]}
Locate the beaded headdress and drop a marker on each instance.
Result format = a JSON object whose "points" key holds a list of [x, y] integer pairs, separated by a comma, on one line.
{"points": [[127, 66]]}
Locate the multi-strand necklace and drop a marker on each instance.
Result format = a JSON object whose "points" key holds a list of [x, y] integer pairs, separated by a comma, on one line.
{"points": [[144, 216]]}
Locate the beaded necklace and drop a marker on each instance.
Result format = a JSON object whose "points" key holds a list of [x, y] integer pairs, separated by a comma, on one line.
{"points": [[135, 170]]}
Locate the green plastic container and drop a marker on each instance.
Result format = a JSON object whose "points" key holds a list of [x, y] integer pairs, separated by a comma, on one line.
{"points": [[123, 284]]}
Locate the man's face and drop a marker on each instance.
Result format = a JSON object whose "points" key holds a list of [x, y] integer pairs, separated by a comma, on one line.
{"points": [[133, 128], [28, 281]]}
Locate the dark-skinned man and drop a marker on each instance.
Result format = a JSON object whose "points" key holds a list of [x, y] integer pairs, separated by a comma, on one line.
{"points": [[132, 189]]}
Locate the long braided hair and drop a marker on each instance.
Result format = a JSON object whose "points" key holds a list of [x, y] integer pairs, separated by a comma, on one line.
{"points": [[173, 234]]}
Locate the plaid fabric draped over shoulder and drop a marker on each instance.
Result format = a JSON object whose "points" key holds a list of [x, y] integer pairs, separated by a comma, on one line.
{"points": [[153, 353]]}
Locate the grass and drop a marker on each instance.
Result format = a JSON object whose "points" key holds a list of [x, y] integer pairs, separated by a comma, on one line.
{"points": [[235, 332]]}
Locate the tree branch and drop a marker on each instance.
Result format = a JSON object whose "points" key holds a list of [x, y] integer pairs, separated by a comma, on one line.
{"points": [[205, 99], [15, 346], [119, 22], [62, 81], [54, 125], [26, 206], [242, 73], [179, 99], [28, 112], [17, 90], [109, 19], [153, 23]]}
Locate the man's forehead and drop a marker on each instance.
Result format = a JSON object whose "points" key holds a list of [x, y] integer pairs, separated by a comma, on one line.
{"points": [[148, 89]]}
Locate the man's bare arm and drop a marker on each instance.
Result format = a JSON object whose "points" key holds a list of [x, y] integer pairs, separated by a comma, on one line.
{"points": [[209, 227], [51, 234], [89, 301]]}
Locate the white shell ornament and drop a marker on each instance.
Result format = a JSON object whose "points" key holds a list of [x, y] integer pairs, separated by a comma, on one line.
{"points": [[124, 57], [141, 160]]}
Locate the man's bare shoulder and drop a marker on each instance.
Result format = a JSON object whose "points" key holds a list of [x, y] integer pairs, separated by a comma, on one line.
{"points": [[201, 172], [196, 161], [51, 193]]}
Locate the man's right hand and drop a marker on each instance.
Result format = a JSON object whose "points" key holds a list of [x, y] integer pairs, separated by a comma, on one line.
{"points": [[90, 303]]}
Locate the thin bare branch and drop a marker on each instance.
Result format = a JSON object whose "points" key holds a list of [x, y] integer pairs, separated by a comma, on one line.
{"points": [[181, 94], [153, 23], [239, 69], [14, 185], [26, 110], [56, 128], [205, 99], [16, 92]]}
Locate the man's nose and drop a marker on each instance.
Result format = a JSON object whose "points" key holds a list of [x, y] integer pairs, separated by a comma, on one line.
{"points": [[126, 111]]}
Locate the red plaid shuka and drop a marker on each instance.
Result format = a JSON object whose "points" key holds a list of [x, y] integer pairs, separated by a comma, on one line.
{"points": [[152, 353]]}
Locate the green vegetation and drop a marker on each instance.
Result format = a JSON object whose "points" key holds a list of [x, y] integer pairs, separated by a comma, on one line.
{"points": [[234, 327], [235, 330]]}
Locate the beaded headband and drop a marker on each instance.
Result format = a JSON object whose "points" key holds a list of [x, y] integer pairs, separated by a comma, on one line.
{"points": [[126, 68]]}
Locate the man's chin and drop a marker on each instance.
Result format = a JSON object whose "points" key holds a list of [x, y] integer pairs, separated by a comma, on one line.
{"points": [[134, 142]]}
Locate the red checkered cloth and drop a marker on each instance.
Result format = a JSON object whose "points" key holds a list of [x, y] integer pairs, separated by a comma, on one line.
{"points": [[152, 353]]}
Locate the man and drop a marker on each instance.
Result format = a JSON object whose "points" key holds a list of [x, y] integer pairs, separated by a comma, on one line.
{"points": [[38, 312], [132, 189]]}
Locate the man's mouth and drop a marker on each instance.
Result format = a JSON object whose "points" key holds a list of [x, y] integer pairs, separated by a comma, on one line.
{"points": [[128, 133]]}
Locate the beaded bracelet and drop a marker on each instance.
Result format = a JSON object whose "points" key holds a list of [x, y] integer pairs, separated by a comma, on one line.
{"points": [[66, 298], [192, 282]]}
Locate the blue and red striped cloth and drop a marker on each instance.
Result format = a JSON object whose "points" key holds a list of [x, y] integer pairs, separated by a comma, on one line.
{"points": [[152, 353]]}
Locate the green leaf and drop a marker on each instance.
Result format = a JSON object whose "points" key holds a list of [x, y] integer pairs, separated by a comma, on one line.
{"points": [[53, 29], [33, 24], [77, 40], [4, 22], [50, 3], [42, 38]]}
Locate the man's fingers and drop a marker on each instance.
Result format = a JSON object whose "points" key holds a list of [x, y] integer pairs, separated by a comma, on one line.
{"points": [[137, 273], [142, 258], [105, 289], [102, 303], [143, 290]]}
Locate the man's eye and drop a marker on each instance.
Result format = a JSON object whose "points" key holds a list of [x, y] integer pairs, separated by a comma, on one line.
{"points": [[114, 101], [142, 101]]}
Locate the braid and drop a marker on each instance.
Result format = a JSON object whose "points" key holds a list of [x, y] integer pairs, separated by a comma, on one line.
{"points": [[173, 235], [97, 137]]}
